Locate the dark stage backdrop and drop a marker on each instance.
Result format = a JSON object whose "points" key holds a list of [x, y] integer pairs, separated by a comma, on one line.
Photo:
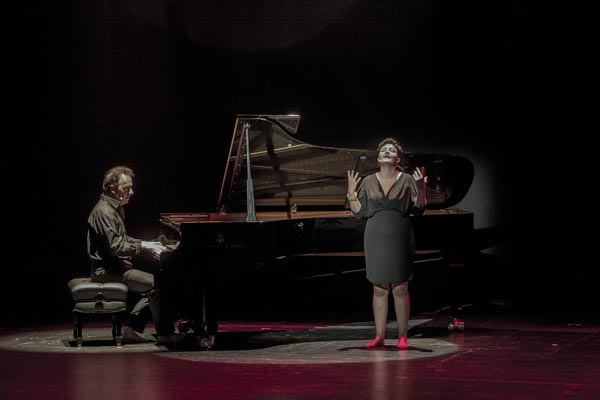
{"points": [[156, 85]]}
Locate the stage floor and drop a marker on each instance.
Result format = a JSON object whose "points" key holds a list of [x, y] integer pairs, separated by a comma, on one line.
{"points": [[498, 356]]}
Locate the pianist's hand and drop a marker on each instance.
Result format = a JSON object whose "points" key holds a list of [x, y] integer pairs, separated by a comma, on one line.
{"points": [[154, 247], [353, 180]]}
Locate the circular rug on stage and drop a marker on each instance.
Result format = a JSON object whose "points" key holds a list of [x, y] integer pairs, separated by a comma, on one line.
{"points": [[325, 352], [257, 343]]}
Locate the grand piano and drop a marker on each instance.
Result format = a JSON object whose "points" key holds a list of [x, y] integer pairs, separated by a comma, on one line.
{"points": [[282, 199]]}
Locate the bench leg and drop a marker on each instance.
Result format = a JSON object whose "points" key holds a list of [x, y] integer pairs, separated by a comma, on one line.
{"points": [[77, 328], [116, 330]]}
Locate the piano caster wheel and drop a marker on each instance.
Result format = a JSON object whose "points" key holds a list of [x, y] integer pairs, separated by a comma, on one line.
{"points": [[456, 325], [206, 343]]}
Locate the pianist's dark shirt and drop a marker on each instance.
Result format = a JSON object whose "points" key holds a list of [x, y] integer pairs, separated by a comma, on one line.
{"points": [[109, 248]]}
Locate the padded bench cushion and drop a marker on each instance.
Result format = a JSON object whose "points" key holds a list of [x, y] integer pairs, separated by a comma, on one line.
{"points": [[83, 290], [96, 297]]}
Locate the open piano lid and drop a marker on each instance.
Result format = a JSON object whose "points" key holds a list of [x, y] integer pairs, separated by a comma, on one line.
{"points": [[289, 173]]}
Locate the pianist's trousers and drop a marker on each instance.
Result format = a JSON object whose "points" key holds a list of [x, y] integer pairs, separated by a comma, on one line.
{"points": [[150, 304]]}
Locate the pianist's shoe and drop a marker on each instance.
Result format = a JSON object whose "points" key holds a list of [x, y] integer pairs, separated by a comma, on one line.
{"points": [[131, 336], [173, 338]]}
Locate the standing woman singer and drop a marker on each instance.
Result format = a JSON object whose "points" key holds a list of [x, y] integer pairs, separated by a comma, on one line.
{"points": [[387, 199]]}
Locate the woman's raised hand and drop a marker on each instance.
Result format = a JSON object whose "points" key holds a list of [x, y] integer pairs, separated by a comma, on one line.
{"points": [[353, 180], [420, 174]]}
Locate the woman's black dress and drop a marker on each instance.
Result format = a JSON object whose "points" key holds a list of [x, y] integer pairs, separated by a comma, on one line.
{"points": [[389, 240]]}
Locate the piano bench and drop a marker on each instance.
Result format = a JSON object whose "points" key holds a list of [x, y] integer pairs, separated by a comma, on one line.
{"points": [[95, 298]]}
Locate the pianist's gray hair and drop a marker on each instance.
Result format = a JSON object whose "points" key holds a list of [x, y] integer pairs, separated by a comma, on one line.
{"points": [[390, 141], [111, 177]]}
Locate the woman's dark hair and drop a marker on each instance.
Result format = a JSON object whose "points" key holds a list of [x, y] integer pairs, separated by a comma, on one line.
{"points": [[111, 177]]}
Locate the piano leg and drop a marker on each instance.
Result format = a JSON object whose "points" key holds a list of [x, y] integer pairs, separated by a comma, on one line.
{"points": [[188, 294], [456, 268]]}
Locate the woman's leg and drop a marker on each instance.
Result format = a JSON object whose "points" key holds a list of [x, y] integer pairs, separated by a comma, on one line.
{"points": [[402, 307], [380, 311]]}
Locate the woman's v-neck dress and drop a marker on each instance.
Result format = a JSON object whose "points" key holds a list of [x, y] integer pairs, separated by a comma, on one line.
{"points": [[389, 240]]}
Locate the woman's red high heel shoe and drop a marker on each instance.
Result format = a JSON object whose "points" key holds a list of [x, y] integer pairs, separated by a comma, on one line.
{"points": [[377, 342], [402, 343]]}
